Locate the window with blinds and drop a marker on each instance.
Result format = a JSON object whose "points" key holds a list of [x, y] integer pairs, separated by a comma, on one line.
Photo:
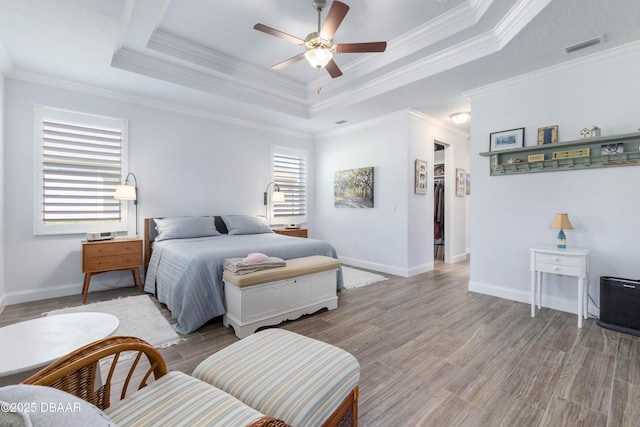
{"points": [[290, 173], [81, 158]]}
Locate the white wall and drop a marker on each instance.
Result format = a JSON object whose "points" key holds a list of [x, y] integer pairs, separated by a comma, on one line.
{"points": [[511, 214], [185, 165], [3, 300], [396, 236]]}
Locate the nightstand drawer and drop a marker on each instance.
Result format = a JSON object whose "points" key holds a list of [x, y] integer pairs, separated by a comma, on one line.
{"points": [[558, 259], [94, 250], [113, 262], [567, 270]]}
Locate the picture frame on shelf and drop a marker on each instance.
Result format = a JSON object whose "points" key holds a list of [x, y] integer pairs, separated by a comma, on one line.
{"points": [[548, 135], [506, 139], [615, 148], [421, 177], [461, 179]]}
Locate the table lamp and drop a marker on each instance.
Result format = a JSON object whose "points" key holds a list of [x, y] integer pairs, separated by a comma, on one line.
{"points": [[562, 222]]}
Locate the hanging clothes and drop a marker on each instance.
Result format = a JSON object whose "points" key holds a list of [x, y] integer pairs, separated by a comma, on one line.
{"points": [[438, 212]]}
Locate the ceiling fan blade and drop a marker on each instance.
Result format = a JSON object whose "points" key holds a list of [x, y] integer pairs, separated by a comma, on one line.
{"points": [[289, 61], [278, 33], [361, 47], [332, 69], [334, 18]]}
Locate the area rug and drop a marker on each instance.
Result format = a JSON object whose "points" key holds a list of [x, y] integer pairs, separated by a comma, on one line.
{"points": [[354, 278], [138, 316]]}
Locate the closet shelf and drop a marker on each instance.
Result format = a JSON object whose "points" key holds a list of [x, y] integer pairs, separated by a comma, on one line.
{"points": [[515, 161]]}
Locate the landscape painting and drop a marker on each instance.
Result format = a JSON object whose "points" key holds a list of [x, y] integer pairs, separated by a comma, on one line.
{"points": [[353, 188]]}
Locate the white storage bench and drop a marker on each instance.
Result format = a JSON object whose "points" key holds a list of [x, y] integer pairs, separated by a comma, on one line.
{"points": [[268, 297]]}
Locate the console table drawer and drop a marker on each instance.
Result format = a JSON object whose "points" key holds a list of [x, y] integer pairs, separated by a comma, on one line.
{"points": [[558, 259], [567, 270]]}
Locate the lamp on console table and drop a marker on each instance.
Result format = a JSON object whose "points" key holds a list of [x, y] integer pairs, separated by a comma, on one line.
{"points": [[562, 222], [127, 191]]}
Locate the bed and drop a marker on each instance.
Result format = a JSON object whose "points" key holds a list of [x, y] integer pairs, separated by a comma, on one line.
{"points": [[184, 260]]}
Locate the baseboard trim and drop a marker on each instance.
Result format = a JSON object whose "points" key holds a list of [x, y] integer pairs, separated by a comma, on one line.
{"points": [[29, 295], [561, 304], [375, 266]]}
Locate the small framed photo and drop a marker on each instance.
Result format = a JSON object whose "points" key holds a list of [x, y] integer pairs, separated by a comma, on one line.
{"points": [[616, 148], [421, 177], [548, 135], [461, 180], [506, 139]]}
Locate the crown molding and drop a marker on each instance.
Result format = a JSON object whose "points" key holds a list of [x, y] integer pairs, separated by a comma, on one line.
{"points": [[224, 65], [614, 54], [420, 116], [152, 103], [518, 17], [173, 73]]}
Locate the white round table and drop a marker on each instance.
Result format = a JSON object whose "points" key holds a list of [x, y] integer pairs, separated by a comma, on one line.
{"points": [[30, 345]]}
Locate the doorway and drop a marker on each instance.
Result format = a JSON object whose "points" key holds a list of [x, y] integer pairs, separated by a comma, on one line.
{"points": [[439, 202]]}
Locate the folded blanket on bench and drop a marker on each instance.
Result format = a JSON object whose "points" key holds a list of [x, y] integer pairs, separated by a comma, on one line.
{"points": [[240, 266]]}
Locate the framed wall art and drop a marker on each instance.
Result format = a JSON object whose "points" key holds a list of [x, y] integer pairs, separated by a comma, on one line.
{"points": [[506, 139], [353, 188], [461, 179], [548, 135], [421, 177]]}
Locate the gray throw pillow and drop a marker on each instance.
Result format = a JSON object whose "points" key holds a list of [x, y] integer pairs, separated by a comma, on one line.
{"points": [[185, 227], [245, 224]]}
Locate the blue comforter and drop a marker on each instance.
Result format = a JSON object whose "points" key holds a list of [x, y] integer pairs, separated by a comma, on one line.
{"points": [[186, 274]]}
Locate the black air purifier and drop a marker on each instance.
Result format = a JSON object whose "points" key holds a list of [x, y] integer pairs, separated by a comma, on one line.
{"points": [[620, 305]]}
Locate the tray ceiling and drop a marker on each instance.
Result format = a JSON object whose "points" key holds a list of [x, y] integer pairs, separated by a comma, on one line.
{"points": [[205, 56]]}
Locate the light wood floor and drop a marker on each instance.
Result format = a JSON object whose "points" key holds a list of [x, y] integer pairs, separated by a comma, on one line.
{"points": [[434, 354]]}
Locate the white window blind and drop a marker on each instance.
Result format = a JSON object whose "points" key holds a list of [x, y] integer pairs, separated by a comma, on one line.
{"points": [[290, 173], [81, 159]]}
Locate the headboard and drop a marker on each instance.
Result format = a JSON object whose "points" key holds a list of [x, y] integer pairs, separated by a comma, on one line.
{"points": [[150, 233]]}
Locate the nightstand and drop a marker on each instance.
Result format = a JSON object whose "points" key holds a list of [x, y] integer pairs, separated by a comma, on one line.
{"points": [[294, 232], [110, 255]]}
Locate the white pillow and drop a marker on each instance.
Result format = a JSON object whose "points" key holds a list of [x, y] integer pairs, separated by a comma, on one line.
{"points": [[185, 227], [245, 224], [35, 405]]}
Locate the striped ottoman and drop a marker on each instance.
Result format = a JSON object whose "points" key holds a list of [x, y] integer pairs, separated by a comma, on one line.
{"points": [[300, 380]]}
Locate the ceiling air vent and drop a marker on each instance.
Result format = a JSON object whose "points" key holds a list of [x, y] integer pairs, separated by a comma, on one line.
{"points": [[341, 122], [584, 44]]}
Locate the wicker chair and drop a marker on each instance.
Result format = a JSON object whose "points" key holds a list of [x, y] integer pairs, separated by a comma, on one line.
{"points": [[78, 373]]}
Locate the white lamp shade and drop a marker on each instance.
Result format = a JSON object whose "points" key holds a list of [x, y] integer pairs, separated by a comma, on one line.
{"points": [[125, 192], [277, 197], [318, 57]]}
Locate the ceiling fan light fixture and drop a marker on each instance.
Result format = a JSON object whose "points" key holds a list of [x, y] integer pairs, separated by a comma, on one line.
{"points": [[460, 117], [318, 57]]}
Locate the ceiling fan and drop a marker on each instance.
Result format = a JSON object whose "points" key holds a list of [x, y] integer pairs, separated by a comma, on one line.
{"points": [[319, 45]]}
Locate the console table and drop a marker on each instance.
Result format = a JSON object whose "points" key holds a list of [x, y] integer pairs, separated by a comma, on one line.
{"points": [[567, 262], [30, 345]]}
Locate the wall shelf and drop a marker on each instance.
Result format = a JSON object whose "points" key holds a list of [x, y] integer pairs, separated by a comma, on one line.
{"points": [[515, 161]]}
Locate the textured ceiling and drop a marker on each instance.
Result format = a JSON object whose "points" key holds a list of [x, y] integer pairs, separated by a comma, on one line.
{"points": [[205, 56]]}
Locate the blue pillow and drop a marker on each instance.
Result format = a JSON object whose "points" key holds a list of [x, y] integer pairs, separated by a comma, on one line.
{"points": [[185, 227], [245, 224], [36, 405]]}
